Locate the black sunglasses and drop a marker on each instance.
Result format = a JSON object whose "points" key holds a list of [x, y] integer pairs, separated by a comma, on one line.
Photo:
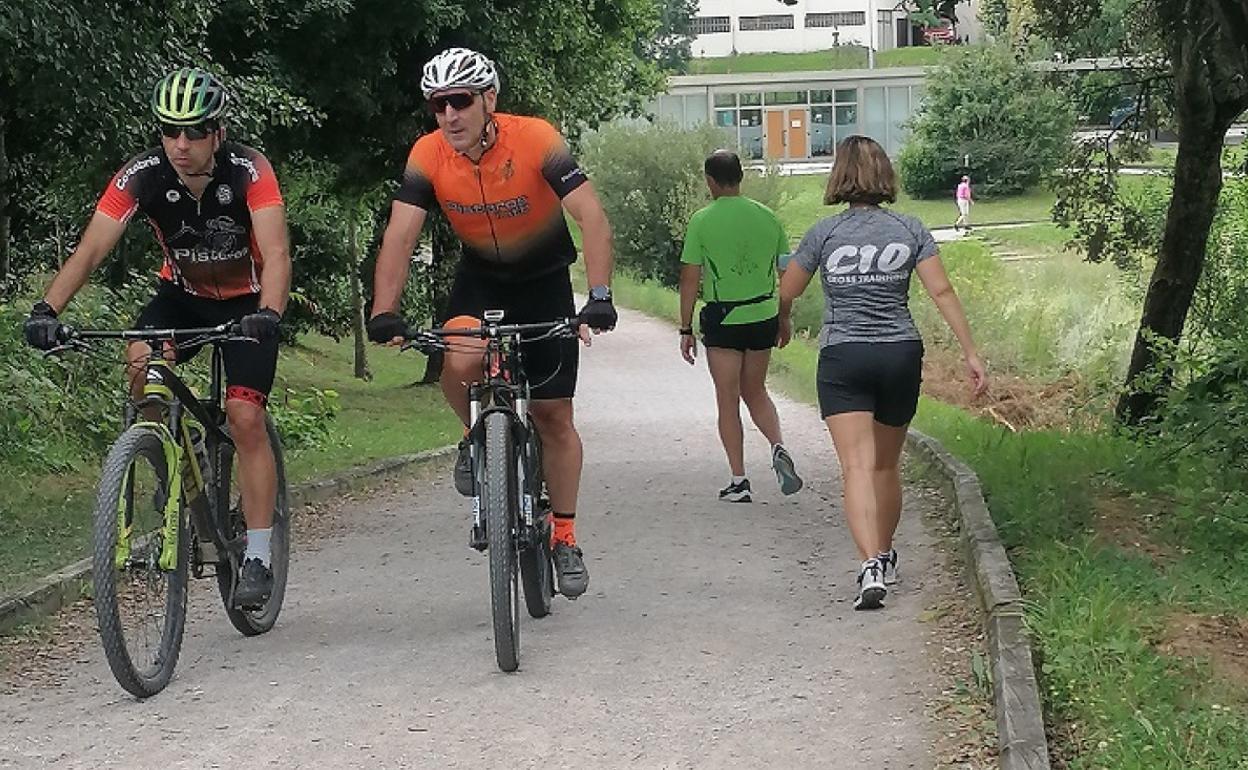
{"points": [[458, 100], [194, 133]]}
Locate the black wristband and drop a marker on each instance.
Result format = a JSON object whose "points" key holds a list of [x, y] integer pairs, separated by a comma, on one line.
{"points": [[686, 330]]}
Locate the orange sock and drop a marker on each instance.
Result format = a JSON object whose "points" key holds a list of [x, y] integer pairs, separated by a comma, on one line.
{"points": [[565, 528]]}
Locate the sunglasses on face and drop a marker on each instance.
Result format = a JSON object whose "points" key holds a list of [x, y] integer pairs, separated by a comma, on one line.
{"points": [[193, 133], [460, 101]]}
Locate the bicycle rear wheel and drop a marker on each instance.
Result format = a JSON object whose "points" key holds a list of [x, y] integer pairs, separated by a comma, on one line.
{"points": [[499, 512], [536, 571], [141, 607], [229, 500]]}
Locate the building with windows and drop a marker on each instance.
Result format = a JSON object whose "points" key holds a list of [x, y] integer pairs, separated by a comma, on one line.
{"points": [[727, 27], [794, 116]]}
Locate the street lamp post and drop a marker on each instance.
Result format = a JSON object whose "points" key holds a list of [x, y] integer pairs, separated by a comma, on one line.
{"points": [[872, 23]]}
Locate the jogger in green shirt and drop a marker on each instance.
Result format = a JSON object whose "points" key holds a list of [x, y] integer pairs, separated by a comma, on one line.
{"points": [[731, 252]]}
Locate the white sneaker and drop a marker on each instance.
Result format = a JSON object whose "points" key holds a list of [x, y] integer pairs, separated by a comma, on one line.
{"points": [[888, 560], [871, 590]]}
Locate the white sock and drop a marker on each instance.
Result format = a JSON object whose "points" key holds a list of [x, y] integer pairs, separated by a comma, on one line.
{"points": [[738, 479], [259, 545]]}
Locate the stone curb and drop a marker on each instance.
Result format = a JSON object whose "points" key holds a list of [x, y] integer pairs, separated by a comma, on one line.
{"points": [[47, 595], [1016, 693]]}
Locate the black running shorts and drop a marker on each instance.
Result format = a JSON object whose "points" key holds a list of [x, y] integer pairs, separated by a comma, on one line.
{"points": [[759, 335], [878, 377]]}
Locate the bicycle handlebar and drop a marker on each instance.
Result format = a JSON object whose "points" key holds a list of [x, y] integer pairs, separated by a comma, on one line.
{"points": [[70, 337], [437, 339]]}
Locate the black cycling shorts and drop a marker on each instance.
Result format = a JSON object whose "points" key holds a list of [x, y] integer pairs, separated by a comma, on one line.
{"points": [[758, 335], [878, 377], [550, 365], [249, 366]]}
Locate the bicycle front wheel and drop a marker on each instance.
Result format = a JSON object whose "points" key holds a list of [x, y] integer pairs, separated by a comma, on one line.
{"points": [[140, 604], [498, 510], [229, 504]]}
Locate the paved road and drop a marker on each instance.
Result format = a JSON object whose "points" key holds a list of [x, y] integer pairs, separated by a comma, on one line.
{"points": [[713, 635]]}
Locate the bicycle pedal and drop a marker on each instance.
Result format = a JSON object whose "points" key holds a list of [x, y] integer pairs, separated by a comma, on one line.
{"points": [[477, 541]]}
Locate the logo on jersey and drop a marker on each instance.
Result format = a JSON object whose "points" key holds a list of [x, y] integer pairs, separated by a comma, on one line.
{"points": [[246, 163], [508, 170], [222, 240], [224, 195], [173, 196], [512, 207], [851, 264], [138, 166]]}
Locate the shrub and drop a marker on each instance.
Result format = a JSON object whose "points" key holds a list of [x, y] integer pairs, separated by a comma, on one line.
{"points": [[989, 115], [650, 180]]}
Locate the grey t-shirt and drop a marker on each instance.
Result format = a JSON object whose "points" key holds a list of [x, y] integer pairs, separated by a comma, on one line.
{"points": [[865, 257]]}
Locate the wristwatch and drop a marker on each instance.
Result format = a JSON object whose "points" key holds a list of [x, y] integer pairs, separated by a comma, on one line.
{"points": [[600, 293]]}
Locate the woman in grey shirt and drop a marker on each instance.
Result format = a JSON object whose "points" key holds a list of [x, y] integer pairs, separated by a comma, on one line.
{"points": [[871, 356]]}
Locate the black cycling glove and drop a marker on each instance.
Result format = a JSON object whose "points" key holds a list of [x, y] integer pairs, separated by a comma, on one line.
{"points": [[599, 315], [384, 327], [42, 329], [261, 325]]}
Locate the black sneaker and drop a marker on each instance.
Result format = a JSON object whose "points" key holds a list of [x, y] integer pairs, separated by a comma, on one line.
{"points": [[255, 586], [736, 493], [570, 567], [463, 470], [786, 473]]}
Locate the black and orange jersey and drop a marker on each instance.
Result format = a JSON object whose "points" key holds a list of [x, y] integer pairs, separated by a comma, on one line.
{"points": [[209, 247], [506, 207]]}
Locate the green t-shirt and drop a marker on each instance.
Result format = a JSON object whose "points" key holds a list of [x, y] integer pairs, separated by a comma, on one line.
{"points": [[737, 241]]}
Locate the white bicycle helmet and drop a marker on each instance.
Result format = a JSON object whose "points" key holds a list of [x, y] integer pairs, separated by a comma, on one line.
{"points": [[458, 68]]}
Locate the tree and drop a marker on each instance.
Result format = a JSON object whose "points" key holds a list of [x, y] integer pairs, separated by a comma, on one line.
{"points": [[671, 45], [990, 115], [1204, 46]]}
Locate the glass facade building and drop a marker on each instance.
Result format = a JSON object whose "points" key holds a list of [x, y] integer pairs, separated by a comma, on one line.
{"points": [[796, 115]]}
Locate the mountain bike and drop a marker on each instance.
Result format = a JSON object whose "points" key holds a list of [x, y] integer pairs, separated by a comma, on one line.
{"points": [[169, 504], [511, 516]]}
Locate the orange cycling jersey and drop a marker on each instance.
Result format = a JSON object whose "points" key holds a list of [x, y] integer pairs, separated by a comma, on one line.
{"points": [[506, 207]]}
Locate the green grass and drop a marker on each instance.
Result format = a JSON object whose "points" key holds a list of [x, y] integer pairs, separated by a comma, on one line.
{"points": [[804, 206], [1045, 239], [842, 57], [384, 417], [45, 520]]}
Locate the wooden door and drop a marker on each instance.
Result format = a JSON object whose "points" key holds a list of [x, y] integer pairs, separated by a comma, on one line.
{"points": [[797, 133], [775, 134]]}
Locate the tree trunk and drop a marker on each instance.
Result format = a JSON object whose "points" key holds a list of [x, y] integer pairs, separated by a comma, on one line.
{"points": [[1197, 184], [445, 248], [357, 306], [4, 206]]}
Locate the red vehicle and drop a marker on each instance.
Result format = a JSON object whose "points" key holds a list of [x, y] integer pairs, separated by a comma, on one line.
{"points": [[943, 32]]}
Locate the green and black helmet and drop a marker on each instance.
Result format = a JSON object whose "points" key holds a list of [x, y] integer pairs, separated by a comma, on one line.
{"points": [[188, 96]]}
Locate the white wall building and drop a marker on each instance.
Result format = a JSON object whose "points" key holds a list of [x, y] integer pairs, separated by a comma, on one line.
{"points": [[725, 27]]}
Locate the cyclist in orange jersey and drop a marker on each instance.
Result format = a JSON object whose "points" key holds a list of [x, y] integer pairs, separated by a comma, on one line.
{"points": [[504, 182]]}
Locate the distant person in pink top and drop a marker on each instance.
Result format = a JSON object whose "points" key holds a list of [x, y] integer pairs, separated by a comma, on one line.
{"points": [[964, 205]]}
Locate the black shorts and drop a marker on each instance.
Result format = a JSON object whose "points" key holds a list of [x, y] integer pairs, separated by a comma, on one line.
{"points": [[249, 366], [878, 377], [550, 365], [759, 335]]}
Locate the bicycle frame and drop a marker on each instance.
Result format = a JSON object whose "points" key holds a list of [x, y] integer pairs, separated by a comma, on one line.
{"points": [[163, 389]]}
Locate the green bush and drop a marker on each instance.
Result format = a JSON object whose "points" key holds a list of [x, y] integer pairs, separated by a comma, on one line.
{"points": [[987, 114], [304, 418], [650, 180]]}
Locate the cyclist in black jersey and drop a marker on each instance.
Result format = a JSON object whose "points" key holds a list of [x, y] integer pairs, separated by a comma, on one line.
{"points": [[217, 211]]}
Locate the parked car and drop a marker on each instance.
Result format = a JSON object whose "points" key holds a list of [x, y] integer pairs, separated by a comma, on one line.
{"points": [[1127, 111], [943, 32]]}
